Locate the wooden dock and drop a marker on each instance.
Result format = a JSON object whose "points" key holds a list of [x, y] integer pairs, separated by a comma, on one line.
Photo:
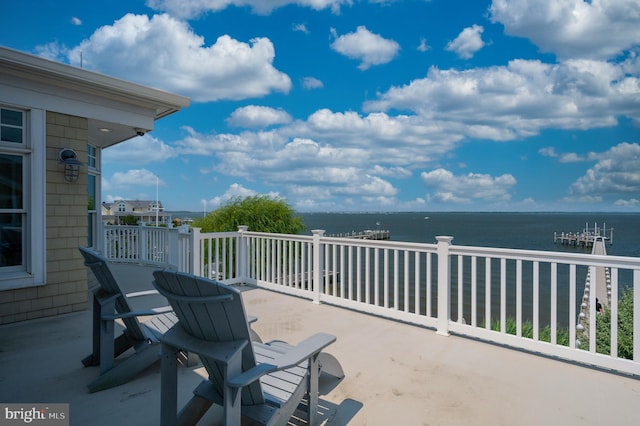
{"points": [[586, 238], [369, 234], [597, 293]]}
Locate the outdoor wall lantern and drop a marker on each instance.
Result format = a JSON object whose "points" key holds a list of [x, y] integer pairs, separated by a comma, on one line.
{"points": [[69, 158]]}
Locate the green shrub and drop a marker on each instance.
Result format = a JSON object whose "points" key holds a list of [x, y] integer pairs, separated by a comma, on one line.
{"points": [[625, 327], [260, 213], [562, 335]]}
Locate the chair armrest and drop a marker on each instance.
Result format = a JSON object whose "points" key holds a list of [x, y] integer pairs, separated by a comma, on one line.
{"points": [[301, 352], [219, 351], [154, 311], [142, 293]]}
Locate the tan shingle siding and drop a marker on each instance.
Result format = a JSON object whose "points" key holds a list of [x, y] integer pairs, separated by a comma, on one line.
{"points": [[65, 290]]}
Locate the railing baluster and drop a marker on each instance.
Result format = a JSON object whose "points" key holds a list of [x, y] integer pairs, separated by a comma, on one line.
{"points": [[474, 289], [503, 295], [386, 278], [487, 292], [572, 306], [396, 280], [405, 290], [376, 276], [553, 315], [460, 291], [519, 298], [536, 300], [341, 277], [416, 285], [429, 284], [614, 312]]}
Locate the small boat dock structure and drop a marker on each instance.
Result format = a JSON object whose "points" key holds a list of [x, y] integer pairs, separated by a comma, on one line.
{"points": [[598, 287], [586, 238], [369, 234]]}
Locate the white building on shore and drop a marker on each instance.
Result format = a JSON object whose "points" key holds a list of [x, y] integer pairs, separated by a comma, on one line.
{"points": [[144, 211]]}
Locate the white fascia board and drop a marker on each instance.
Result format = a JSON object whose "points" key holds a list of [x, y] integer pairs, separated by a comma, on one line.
{"points": [[78, 105], [64, 77]]}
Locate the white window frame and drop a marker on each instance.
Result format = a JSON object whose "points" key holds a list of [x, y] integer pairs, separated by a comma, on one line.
{"points": [[34, 151], [94, 170]]}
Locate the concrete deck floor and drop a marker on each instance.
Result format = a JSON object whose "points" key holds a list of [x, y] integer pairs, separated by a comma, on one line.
{"points": [[396, 374]]}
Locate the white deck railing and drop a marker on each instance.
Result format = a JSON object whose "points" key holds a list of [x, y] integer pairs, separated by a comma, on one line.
{"points": [[520, 298], [146, 244]]}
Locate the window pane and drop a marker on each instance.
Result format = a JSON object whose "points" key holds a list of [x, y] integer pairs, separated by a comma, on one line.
{"points": [[12, 118], [91, 156], [10, 181], [11, 126], [11, 134], [10, 239], [91, 188]]}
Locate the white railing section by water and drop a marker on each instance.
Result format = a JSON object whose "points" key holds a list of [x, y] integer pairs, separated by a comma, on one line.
{"points": [[520, 298], [145, 244]]}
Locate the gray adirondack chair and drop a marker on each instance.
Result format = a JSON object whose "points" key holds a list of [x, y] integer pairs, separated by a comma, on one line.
{"points": [[263, 382], [110, 304]]}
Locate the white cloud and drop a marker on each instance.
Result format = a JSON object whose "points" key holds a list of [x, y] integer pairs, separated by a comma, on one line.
{"points": [[423, 46], [234, 190], [53, 51], [569, 157], [140, 150], [137, 177], [616, 172], [195, 8], [520, 99], [632, 202], [468, 42], [76, 21], [300, 28], [572, 28], [255, 116], [449, 188], [164, 52], [369, 48], [312, 83]]}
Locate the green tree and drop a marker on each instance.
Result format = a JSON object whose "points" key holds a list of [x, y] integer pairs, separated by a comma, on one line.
{"points": [[260, 213]]}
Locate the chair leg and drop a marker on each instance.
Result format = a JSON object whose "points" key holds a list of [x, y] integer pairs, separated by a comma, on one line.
{"points": [[169, 386], [313, 381], [193, 411], [125, 370]]}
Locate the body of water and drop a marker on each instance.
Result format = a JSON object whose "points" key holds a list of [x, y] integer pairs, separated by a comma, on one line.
{"points": [[529, 231]]}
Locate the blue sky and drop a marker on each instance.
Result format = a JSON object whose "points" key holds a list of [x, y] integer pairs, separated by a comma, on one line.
{"points": [[366, 105]]}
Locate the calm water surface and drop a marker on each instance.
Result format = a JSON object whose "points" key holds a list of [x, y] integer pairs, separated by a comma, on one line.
{"points": [[531, 231]]}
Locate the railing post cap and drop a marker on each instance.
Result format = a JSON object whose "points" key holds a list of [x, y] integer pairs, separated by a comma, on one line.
{"points": [[243, 228], [318, 232], [444, 239]]}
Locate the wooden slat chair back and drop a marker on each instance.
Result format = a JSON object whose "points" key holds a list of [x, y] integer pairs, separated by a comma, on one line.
{"points": [[110, 288], [109, 305], [223, 321], [272, 379]]}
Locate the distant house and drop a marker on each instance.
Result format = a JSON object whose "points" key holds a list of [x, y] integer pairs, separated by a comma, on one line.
{"points": [[143, 211], [55, 120]]}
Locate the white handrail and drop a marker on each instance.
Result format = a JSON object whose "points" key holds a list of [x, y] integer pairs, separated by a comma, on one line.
{"points": [[484, 289]]}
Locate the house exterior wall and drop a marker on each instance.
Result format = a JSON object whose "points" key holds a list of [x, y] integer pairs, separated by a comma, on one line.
{"points": [[66, 288]]}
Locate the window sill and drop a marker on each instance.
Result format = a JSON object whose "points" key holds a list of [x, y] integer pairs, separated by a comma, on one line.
{"points": [[17, 280]]}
